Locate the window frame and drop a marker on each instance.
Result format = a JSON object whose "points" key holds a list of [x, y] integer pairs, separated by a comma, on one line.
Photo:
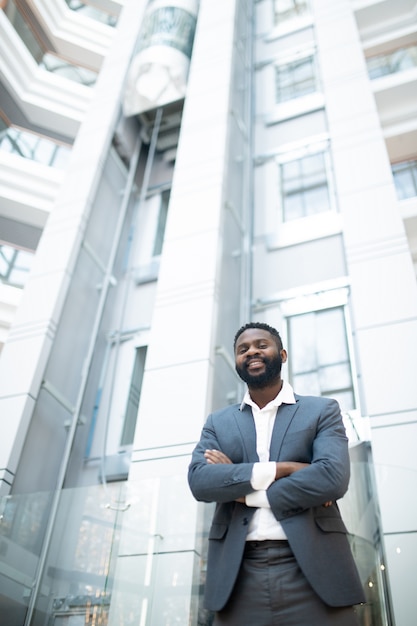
{"points": [[348, 362], [288, 67], [280, 16], [299, 155]]}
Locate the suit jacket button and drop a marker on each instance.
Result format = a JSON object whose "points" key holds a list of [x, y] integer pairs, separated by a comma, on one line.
{"points": [[245, 521]]}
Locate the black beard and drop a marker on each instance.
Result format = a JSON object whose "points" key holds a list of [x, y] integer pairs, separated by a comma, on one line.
{"points": [[270, 375]]}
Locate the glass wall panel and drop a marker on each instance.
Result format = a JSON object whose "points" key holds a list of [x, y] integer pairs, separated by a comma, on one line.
{"points": [[360, 511], [134, 553]]}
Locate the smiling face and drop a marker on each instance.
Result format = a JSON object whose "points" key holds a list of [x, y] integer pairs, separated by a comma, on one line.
{"points": [[258, 358]]}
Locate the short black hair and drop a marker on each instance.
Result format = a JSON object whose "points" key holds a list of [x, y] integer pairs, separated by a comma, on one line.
{"points": [[262, 326]]}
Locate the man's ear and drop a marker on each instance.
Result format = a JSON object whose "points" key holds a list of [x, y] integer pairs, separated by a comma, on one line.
{"points": [[284, 355]]}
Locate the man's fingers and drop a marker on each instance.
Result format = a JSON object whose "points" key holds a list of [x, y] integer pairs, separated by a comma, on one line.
{"points": [[215, 456]]}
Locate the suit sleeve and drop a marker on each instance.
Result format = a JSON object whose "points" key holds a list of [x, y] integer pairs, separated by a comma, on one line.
{"points": [[218, 482], [325, 479]]}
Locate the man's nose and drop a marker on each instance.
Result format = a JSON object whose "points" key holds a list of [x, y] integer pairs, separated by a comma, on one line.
{"points": [[252, 350]]}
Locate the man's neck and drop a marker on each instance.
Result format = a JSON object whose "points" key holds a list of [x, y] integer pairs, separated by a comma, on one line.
{"points": [[261, 396]]}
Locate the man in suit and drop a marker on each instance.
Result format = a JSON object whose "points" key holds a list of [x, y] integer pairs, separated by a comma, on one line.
{"points": [[275, 465]]}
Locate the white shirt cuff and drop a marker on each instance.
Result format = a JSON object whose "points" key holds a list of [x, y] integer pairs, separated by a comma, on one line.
{"points": [[263, 475], [257, 499]]}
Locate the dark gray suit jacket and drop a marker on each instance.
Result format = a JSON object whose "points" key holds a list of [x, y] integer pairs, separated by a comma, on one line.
{"points": [[310, 431]]}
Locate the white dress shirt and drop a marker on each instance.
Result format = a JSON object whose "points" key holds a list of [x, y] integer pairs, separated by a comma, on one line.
{"points": [[264, 524]]}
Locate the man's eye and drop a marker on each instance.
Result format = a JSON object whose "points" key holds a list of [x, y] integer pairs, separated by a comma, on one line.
{"points": [[263, 346]]}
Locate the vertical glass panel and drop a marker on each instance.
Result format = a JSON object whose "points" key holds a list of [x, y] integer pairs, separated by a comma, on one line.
{"points": [[162, 219], [334, 377], [294, 206], [319, 358], [360, 511], [307, 384], [331, 339], [134, 397], [305, 189], [303, 357], [295, 79], [346, 399], [316, 200]]}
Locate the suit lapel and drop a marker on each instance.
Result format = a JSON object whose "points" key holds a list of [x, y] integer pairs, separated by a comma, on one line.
{"points": [[283, 419], [246, 426]]}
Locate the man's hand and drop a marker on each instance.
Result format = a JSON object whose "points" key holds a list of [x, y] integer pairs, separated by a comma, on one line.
{"points": [[286, 468], [283, 468], [215, 456]]}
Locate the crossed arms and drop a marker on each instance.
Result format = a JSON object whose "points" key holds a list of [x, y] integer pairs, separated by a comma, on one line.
{"points": [[218, 472]]}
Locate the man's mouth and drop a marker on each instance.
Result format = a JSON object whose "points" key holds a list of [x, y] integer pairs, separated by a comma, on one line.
{"points": [[254, 364]]}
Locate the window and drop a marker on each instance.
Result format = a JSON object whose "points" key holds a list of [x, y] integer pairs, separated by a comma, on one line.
{"points": [[305, 186], [319, 356], [287, 9], [295, 79], [162, 219], [132, 407], [14, 265], [393, 62], [32, 146], [405, 179]]}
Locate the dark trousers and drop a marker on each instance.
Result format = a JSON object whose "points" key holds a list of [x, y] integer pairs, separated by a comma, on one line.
{"points": [[271, 590]]}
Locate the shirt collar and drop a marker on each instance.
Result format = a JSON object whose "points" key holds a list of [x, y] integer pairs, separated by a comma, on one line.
{"points": [[285, 396]]}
